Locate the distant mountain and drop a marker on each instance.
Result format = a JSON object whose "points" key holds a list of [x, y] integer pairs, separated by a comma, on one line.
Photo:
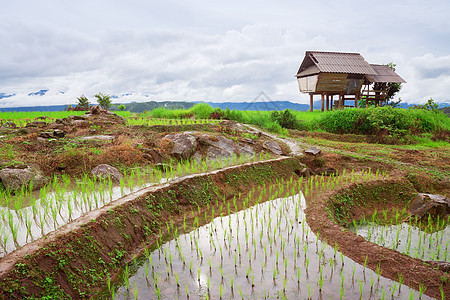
{"points": [[4, 95], [39, 93], [35, 108], [138, 107], [263, 105]]}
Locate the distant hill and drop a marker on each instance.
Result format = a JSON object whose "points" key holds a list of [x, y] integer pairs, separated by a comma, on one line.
{"points": [[265, 105], [446, 110], [138, 107], [35, 108]]}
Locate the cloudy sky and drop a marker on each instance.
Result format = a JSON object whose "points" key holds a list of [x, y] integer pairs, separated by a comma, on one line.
{"points": [[142, 50]]}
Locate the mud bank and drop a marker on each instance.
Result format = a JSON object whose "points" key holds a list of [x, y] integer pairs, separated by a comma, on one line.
{"points": [[329, 212], [77, 260]]}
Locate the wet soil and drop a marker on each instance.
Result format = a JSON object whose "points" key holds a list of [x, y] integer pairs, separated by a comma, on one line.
{"points": [[392, 263]]}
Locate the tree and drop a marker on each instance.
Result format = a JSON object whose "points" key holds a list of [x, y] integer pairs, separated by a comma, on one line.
{"points": [[392, 87], [121, 107], [103, 100], [83, 102]]}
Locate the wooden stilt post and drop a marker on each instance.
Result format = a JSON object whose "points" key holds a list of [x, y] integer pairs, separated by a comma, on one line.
{"points": [[322, 102], [310, 101], [331, 102], [328, 102], [341, 101], [356, 100]]}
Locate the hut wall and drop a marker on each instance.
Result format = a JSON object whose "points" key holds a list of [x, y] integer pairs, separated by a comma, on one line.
{"points": [[308, 84], [332, 83]]}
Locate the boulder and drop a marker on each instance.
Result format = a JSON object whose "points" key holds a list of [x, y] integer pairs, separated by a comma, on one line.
{"points": [[46, 134], [80, 123], [9, 124], [58, 133], [56, 125], [104, 171], [97, 109], [38, 124], [325, 171], [98, 137], [154, 155], [427, 204], [273, 147], [305, 172], [78, 117], [184, 144], [313, 151], [14, 178], [220, 146]]}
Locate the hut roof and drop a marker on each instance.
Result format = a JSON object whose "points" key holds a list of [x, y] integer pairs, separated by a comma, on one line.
{"points": [[384, 74], [334, 62]]}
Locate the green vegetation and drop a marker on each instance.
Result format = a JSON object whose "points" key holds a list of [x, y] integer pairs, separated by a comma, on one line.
{"points": [[103, 100], [379, 120], [83, 102]]}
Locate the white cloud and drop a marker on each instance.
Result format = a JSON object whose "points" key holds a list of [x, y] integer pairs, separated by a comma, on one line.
{"points": [[221, 51]]}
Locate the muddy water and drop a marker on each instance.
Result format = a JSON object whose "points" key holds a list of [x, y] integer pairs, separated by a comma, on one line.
{"points": [[266, 251], [408, 239]]}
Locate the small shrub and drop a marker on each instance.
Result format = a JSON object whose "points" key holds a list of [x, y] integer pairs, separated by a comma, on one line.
{"points": [[285, 118]]}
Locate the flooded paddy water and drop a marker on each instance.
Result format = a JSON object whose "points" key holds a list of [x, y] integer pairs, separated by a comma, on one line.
{"points": [[31, 215], [408, 238], [263, 251]]}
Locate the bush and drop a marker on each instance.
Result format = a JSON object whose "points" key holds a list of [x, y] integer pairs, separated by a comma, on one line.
{"points": [[285, 118], [377, 120]]}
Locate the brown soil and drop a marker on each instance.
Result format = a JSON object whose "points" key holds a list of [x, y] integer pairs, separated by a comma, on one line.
{"points": [[392, 263]]}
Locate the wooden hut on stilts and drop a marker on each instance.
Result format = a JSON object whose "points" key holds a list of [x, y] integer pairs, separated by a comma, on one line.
{"points": [[341, 75]]}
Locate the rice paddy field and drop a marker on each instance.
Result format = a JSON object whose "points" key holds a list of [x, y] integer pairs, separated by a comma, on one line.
{"points": [[266, 251], [30, 215]]}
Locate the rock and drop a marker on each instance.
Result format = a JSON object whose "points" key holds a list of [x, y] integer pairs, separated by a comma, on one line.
{"points": [[98, 137], [441, 265], [313, 151], [325, 171], [273, 146], [59, 121], [9, 124], [56, 126], [220, 146], [104, 171], [248, 141], [80, 123], [38, 124], [428, 204], [184, 144], [163, 167], [305, 172], [78, 117], [45, 134], [154, 155], [58, 133], [23, 131], [14, 178], [97, 109]]}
